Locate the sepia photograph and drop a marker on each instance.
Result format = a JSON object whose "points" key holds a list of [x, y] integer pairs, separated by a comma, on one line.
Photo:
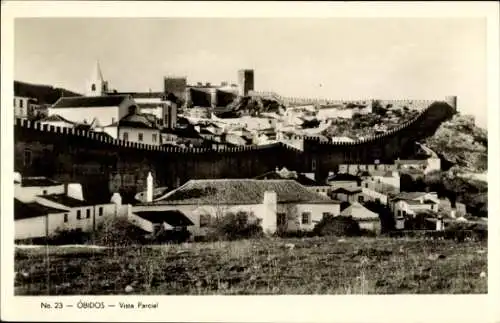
{"points": [[203, 156]]}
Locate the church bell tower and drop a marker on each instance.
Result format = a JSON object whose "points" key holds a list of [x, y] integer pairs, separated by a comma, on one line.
{"points": [[97, 86]]}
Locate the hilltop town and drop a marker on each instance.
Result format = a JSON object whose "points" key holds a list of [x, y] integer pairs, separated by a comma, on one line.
{"points": [[231, 117], [203, 162]]}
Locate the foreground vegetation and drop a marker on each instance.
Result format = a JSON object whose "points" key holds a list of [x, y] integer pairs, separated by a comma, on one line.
{"points": [[321, 265]]}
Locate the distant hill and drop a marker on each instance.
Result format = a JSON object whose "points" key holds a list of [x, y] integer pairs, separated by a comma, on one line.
{"points": [[45, 94], [461, 143]]}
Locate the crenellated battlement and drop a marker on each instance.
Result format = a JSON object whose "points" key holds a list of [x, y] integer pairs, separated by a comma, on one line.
{"points": [[104, 138]]}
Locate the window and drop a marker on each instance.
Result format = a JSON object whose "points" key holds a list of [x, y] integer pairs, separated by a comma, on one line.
{"points": [[281, 219], [377, 200], [78, 214], [65, 217], [140, 136], [204, 220], [44, 192], [154, 137], [360, 199], [93, 87], [21, 103], [27, 157], [88, 213], [313, 164], [125, 136], [306, 218], [113, 120], [325, 214], [101, 211]]}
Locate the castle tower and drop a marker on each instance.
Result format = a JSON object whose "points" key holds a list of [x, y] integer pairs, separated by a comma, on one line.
{"points": [[245, 82], [97, 86], [452, 101]]}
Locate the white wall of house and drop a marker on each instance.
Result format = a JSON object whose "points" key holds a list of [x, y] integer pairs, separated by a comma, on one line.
{"points": [[372, 195], [30, 228], [85, 213], [63, 124], [402, 207], [316, 211], [343, 184], [323, 190], [29, 194], [393, 180], [104, 115], [193, 212], [133, 134], [112, 131], [36, 227], [266, 214], [351, 198]]}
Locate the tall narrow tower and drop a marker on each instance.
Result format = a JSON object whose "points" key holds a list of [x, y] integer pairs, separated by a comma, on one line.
{"points": [[97, 86], [245, 82]]}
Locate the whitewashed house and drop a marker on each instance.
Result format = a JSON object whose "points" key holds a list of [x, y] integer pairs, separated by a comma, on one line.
{"points": [[105, 110], [136, 127], [408, 204], [367, 220], [43, 206], [281, 205]]}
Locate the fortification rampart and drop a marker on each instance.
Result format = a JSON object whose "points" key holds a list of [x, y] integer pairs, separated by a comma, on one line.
{"points": [[105, 165]]}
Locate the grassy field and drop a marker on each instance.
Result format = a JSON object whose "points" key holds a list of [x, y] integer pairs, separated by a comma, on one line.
{"points": [[267, 266]]}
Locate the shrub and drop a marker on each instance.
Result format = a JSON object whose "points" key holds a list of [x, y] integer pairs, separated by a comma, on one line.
{"points": [[337, 226], [175, 236], [235, 226], [118, 231], [296, 234]]}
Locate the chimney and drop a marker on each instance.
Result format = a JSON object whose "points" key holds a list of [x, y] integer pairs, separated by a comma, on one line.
{"points": [[149, 189], [75, 191], [116, 199], [270, 207]]}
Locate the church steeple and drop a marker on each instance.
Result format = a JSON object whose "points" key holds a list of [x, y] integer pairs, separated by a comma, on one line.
{"points": [[97, 86]]}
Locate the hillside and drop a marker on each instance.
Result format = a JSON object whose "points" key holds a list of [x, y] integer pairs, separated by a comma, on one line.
{"points": [[45, 94], [462, 143]]}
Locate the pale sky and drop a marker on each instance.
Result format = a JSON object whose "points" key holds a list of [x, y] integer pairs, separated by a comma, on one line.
{"points": [[315, 57]]}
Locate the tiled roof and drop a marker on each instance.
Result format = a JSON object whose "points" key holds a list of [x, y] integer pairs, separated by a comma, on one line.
{"points": [[38, 181], [409, 195], [174, 218], [90, 101], [241, 191], [65, 200], [138, 120], [32, 210], [55, 117], [344, 177], [347, 191], [358, 211], [300, 178], [141, 95]]}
